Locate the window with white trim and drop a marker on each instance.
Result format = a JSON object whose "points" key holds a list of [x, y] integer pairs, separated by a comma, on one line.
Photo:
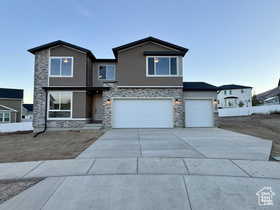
{"points": [[61, 66], [162, 66], [107, 72], [5, 117], [59, 104]]}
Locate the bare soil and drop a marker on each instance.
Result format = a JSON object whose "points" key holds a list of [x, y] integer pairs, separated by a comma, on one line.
{"points": [[263, 126], [51, 145], [11, 188]]}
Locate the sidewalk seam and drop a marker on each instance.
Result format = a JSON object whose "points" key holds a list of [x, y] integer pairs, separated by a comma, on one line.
{"points": [[91, 166], [241, 169], [188, 196], [40, 163], [59, 185]]}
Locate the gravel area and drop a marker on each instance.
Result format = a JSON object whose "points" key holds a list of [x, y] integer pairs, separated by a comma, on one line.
{"points": [[53, 145], [263, 126], [11, 188]]}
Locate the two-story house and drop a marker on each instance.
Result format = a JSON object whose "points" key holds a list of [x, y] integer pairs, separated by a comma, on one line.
{"points": [[10, 105], [142, 87], [233, 96]]}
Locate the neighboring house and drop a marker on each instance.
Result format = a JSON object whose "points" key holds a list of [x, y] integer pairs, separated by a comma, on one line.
{"points": [[10, 105], [142, 87], [233, 96], [271, 96], [27, 111]]}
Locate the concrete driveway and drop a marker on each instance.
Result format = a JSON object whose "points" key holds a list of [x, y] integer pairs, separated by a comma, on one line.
{"points": [[155, 170], [189, 143]]}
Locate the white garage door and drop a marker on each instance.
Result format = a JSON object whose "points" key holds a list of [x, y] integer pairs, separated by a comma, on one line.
{"points": [[142, 113], [199, 113]]}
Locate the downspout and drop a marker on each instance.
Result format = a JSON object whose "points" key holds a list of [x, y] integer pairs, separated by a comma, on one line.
{"points": [[45, 124]]}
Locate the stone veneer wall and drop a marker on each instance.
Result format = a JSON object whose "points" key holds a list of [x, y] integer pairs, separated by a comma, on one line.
{"points": [[40, 80], [66, 123], [176, 93]]}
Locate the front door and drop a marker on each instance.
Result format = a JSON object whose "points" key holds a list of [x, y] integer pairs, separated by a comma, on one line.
{"points": [[97, 108]]}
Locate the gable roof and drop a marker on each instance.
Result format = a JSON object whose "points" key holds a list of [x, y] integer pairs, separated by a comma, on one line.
{"points": [[233, 86], [5, 108], [60, 42], [11, 93], [149, 39], [29, 107], [198, 86]]}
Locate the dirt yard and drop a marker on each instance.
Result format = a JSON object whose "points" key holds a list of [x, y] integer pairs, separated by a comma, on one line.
{"points": [[11, 188], [49, 146], [263, 126]]}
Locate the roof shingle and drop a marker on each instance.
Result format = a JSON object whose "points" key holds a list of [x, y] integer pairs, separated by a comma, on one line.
{"points": [[198, 86], [11, 93]]}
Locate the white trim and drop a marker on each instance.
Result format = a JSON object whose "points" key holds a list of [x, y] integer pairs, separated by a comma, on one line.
{"points": [[49, 67], [54, 119], [143, 98], [198, 98], [167, 75], [21, 110], [104, 64], [150, 86], [48, 107], [8, 108], [61, 57]]}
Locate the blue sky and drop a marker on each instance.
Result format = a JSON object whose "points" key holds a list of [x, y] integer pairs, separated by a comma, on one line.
{"points": [[230, 41]]}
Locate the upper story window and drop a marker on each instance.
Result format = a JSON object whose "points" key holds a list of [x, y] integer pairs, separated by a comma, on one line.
{"points": [[230, 92], [59, 104], [61, 67], [162, 66], [242, 91], [107, 72], [225, 92]]}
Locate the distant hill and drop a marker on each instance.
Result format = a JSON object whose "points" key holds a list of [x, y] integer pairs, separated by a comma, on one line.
{"points": [[270, 93]]}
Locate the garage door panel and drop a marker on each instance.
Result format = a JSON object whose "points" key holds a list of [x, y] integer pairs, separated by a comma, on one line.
{"points": [[199, 113], [138, 113]]}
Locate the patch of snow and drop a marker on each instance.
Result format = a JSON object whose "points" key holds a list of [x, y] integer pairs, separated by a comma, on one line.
{"points": [[13, 127]]}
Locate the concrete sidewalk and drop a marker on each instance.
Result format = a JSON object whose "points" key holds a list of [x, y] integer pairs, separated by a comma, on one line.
{"points": [[140, 166], [149, 192]]}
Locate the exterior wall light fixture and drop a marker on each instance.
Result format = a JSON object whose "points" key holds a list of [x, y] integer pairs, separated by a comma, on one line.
{"points": [[108, 101], [177, 101]]}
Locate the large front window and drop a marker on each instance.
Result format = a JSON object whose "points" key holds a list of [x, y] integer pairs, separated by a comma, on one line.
{"points": [[61, 66], [4, 117], [107, 72], [162, 66], [60, 104]]}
